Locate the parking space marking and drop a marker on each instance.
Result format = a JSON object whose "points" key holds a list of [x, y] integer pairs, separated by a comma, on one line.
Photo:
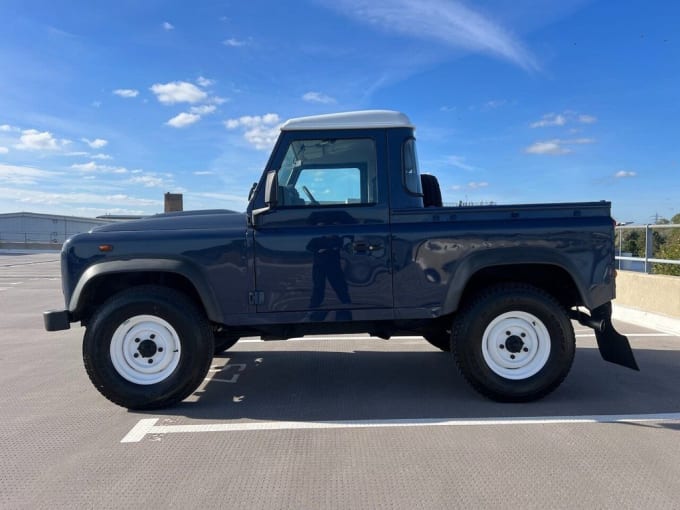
{"points": [[148, 425], [239, 367]]}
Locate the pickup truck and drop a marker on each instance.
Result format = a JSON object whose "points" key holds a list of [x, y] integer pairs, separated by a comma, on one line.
{"points": [[342, 234]]}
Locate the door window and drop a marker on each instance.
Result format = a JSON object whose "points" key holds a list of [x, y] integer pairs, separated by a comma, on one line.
{"points": [[328, 172]]}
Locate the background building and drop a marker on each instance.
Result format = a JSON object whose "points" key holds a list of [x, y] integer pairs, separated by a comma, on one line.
{"points": [[35, 228]]}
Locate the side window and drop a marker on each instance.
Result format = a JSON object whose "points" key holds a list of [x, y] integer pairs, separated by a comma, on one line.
{"points": [[410, 172], [328, 172]]}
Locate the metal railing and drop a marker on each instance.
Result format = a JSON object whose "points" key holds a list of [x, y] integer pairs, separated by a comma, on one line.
{"points": [[639, 251]]}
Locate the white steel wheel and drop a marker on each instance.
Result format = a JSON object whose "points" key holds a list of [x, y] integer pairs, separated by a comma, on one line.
{"points": [[516, 345], [145, 349]]}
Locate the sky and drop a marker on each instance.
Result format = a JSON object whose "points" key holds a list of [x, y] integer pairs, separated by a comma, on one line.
{"points": [[105, 106]]}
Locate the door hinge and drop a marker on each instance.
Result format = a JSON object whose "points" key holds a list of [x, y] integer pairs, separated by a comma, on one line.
{"points": [[256, 297]]}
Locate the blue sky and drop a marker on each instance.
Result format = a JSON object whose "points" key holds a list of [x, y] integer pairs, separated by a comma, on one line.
{"points": [[104, 106]]}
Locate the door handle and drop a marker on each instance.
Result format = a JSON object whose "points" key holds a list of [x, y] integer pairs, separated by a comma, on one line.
{"points": [[365, 246]]}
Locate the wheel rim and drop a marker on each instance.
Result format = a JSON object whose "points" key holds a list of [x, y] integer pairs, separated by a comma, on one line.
{"points": [[145, 349], [516, 345]]}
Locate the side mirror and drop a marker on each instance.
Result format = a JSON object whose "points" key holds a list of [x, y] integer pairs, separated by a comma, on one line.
{"points": [[253, 189], [271, 192], [271, 189]]}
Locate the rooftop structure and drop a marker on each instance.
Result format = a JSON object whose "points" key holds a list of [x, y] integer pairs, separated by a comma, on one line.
{"points": [[350, 120]]}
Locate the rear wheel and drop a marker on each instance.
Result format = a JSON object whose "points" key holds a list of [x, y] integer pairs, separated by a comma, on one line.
{"points": [[513, 343], [147, 347]]}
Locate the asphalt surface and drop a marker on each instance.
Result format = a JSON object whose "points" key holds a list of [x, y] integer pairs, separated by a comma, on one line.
{"points": [[405, 430]]}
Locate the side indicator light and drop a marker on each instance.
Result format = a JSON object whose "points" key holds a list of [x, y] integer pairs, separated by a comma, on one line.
{"points": [[105, 247]]}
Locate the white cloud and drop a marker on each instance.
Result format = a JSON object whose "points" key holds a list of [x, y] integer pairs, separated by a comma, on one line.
{"points": [[204, 82], [318, 97], [126, 93], [470, 186], [91, 166], [260, 131], [204, 172], [183, 119], [579, 141], [234, 43], [204, 109], [550, 147], [168, 26], [447, 21], [4, 150], [459, 162], [34, 140], [101, 156], [494, 103], [550, 119], [622, 174], [96, 104], [148, 181], [560, 119], [97, 143], [22, 175], [556, 146], [59, 199], [7, 128], [85, 167], [178, 92]]}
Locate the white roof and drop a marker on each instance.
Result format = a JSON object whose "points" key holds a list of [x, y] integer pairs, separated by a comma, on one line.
{"points": [[349, 120]]}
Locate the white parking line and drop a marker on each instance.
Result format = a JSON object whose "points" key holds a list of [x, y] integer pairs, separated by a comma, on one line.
{"points": [[148, 425]]}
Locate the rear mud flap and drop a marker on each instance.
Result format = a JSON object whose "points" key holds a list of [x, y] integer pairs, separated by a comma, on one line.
{"points": [[614, 347]]}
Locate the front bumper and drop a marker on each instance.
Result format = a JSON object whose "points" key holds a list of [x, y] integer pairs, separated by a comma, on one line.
{"points": [[57, 320]]}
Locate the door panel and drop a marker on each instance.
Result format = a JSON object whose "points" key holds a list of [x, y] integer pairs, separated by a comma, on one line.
{"points": [[323, 260]]}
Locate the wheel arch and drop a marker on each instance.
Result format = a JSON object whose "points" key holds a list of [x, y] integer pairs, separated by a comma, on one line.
{"points": [[101, 281], [545, 271]]}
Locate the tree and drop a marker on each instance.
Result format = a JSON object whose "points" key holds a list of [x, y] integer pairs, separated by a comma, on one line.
{"points": [[670, 250], [632, 244]]}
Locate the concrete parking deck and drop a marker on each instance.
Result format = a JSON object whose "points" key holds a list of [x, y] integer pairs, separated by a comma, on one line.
{"points": [[344, 422]]}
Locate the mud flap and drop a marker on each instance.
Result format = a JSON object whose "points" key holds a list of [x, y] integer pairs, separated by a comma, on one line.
{"points": [[614, 347]]}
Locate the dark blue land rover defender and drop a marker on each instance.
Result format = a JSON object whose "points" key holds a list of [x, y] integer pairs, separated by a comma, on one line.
{"points": [[343, 234]]}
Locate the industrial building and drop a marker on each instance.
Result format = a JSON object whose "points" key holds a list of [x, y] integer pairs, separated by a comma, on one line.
{"points": [[36, 228]]}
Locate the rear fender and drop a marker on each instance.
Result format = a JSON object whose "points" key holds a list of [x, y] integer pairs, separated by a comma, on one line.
{"points": [[476, 262]]}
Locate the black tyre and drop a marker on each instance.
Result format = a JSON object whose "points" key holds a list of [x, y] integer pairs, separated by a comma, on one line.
{"points": [[439, 339], [224, 341], [513, 343], [147, 347]]}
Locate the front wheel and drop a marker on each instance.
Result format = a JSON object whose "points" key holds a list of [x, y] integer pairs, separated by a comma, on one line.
{"points": [[147, 347], [513, 343]]}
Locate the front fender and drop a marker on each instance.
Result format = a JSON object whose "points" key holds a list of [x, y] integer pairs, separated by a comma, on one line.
{"points": [[182, 268]]}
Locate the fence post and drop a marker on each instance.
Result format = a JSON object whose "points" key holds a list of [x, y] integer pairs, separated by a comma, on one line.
{"points": [[649, 248]]}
